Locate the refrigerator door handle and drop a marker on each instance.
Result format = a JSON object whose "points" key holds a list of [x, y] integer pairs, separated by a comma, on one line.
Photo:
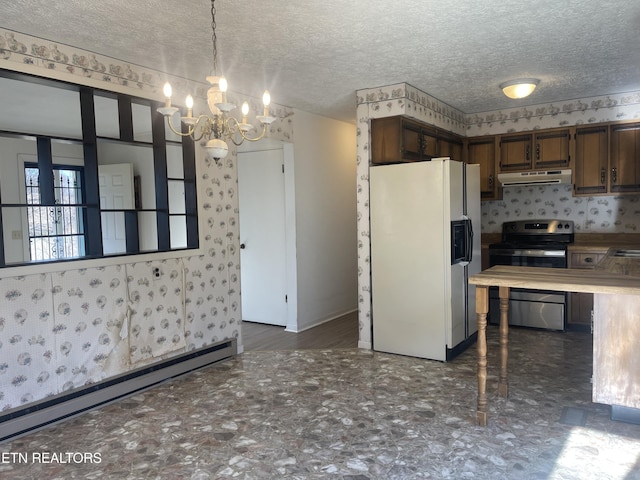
{"points": [[469, 242]]}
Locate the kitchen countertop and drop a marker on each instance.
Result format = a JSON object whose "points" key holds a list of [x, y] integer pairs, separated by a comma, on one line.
{"points": [[598, 280], [599, 240], [626, 266]]}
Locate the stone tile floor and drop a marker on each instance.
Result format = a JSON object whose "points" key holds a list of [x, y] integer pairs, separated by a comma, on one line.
{"points": [[349, 414]]}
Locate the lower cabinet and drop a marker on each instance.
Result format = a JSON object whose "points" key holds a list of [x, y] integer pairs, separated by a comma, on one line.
{"points": [[581, 304], [580, 311]]}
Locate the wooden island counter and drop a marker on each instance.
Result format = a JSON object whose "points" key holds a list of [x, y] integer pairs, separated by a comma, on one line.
{"points": [[615, 284]]}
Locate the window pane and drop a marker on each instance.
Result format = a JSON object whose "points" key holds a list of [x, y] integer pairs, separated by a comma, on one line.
{"points": [[175, 165], [178, 229], [114, 238], [49, 110], [107, 120], [54, 231], [148, 231], [141, 122], [176, 196], [16, 236], [141, 160]]}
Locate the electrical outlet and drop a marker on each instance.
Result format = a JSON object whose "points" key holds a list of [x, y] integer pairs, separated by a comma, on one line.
{"points": [[156, 272], [16, 235]]}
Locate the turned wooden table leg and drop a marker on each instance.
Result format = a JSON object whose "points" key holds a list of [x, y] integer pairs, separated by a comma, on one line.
{"points": [[482, 308], [503, 385]]}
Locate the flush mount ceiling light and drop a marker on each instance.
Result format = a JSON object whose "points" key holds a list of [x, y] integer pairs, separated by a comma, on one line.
{"points": [[219, 126], [520, 88]]}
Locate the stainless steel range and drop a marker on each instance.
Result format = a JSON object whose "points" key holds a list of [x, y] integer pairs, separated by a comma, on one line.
{"points": [[532, 243]]}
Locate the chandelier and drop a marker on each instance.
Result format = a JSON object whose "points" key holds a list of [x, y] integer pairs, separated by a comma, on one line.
{"points": [[219, 125]]}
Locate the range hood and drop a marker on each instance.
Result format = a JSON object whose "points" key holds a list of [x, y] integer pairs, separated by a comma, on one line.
{"points": [[544, 177]]}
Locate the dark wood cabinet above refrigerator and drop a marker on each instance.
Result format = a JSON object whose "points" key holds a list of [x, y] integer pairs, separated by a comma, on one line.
{"points": [[399, 139]]}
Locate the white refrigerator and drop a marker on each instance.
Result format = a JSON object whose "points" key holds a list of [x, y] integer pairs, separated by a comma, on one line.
{"points": [[425, 242]]}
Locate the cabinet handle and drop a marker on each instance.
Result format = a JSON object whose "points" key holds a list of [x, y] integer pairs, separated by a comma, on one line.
{"points": [[537, 151], [614, 174], [603, 175], [491, 182], [527, 152], [588, 260]]}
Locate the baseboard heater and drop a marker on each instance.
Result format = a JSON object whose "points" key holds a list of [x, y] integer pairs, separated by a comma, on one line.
{"points": [[22, 420]]}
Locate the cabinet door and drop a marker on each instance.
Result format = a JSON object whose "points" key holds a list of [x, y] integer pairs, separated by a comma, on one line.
{"points": [[592, 157], [551, 149], [449, 147], [419, 143], [483, 152], [429, 144], [580, 308], [515, 153], [386, 140], [411, 141], [625, 158]]}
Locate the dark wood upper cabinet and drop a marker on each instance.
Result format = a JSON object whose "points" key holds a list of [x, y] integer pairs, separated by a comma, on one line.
{"points": [[607, 155], [515, 152], [482, 151], [410, 147], [592, 159], [451, 147], [538, 151], [625, 158], [399, 139], [551, 149]]}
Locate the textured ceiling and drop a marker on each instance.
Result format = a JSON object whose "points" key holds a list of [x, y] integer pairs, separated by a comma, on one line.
{"points": [[313, 55]]}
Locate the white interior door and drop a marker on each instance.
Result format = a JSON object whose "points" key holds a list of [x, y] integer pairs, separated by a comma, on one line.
{"points": [[116, 192], [262, 236]]}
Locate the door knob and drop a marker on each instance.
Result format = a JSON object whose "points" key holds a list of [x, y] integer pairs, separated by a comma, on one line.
{"points": [[242, 245]]}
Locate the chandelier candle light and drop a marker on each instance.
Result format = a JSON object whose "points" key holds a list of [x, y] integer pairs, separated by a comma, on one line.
{"points": [[219, 125]]}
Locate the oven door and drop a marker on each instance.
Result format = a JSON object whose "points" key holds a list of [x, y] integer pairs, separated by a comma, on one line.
{"points": [[530, 308], [528, 257]]}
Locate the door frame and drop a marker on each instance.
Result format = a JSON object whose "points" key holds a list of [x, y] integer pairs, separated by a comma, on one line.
{"points": [[290, 224]]}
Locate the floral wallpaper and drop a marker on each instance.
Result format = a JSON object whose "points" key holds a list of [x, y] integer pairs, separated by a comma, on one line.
{"points": [[590, 214], [156, 308], [89, 323], [74, 327], [601, 214], [28, 345]]}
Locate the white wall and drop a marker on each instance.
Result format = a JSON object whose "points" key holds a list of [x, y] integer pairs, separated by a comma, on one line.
{"points": [[325, 199]]}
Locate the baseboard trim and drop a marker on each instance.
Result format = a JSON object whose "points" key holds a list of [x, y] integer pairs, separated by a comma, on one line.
{"points": [[321, 322], [22, 420]]}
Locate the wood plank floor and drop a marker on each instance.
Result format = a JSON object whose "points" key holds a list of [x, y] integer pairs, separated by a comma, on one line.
{"points": [[339, 333]]}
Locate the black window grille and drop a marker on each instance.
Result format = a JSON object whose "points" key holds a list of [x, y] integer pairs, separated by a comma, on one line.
{"points": [[55, 231]]}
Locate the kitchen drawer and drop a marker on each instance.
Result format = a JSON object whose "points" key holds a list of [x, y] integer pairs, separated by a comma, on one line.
{"points": [[585, 259]]}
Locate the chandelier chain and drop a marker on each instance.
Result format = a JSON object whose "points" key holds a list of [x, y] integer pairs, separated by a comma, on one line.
{"points": [[214, 38], [219, 127]]}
